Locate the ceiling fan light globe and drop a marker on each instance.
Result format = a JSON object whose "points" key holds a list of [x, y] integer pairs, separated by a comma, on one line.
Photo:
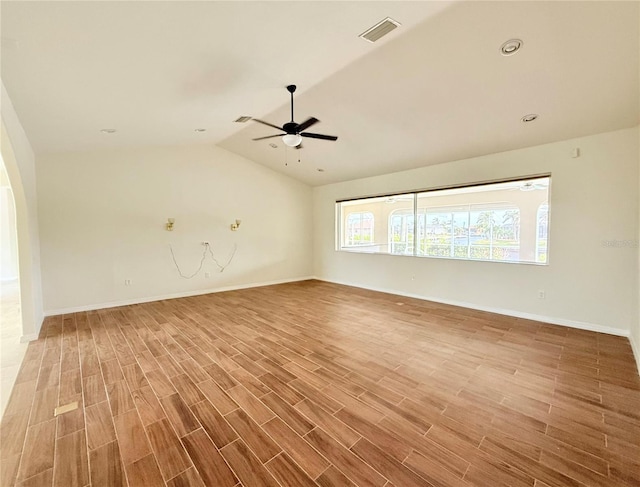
{"points": [[292, 140]]}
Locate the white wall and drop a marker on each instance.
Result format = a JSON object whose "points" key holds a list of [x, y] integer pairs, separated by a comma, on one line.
{"points": [[8, 237], [635, 330], [594, 198], [103, 215], [19, 162]]}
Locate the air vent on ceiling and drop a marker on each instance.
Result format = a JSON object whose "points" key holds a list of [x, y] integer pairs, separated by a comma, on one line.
{"points": [[379, 30], [243, 119]]}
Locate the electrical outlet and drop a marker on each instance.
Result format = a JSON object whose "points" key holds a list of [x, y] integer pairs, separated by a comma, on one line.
{"points": [[127, 282], [541, 294]]}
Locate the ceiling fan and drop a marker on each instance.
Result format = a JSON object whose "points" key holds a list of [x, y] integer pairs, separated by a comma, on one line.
{"points": [[532, 186], [293, 132]]}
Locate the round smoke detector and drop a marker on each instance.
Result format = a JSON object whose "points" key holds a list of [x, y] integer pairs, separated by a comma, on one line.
{"points": [[510, 47]]}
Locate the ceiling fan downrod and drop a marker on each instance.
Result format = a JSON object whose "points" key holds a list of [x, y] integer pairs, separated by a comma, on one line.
{"points": [[291, 89]]}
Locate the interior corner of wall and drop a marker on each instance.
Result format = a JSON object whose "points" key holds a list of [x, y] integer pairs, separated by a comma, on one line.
{"points": [[635, 347]]}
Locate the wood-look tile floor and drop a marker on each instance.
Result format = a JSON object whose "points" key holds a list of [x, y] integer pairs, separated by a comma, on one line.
{"points": [[315, 384]]}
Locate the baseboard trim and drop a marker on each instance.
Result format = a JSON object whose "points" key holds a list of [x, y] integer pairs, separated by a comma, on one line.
{"points": [[28, 338], [501, 311], [636, 351], [128, 302]]}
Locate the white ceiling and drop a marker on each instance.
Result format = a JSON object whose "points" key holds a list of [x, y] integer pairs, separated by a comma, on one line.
{"points": [[434, 90]]}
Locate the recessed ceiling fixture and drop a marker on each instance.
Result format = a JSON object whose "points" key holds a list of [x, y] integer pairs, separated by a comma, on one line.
{"points": [[529, 118], [200, 130], [108, 131], [243, 119], [379, 30], [510, 47]]}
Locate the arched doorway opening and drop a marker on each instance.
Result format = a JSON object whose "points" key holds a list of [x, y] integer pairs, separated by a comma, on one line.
{"points": [[11, 348]]}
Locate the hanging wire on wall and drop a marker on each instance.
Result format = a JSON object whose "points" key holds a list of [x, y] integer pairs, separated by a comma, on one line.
{"points": [[223, 267], [207, 249]]}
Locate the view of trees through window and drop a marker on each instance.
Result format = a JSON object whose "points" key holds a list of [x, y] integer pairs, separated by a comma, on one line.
{"points": [[359, 229], [506, 222]]}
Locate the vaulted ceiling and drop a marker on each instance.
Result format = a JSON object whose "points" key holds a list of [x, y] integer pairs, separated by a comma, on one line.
{"points": [[434, 90]]}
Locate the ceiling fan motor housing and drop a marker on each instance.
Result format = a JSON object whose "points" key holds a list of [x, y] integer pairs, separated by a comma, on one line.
{"points": [[290, 127]]}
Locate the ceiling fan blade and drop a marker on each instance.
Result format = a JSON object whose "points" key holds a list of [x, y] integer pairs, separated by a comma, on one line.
{"points": [[267, 123], [269, 137], [319, 136], [307, 123]]}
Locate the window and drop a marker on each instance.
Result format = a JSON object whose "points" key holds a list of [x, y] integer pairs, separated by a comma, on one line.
{"points": [[542, 233], [485, 232], [359, 228], [505, 222], [401, 228]]}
